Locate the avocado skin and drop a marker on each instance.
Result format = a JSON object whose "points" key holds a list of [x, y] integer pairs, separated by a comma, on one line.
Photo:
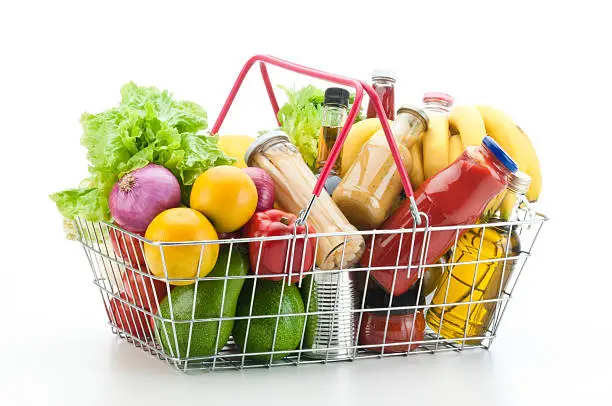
{"points": [[261, 331], [208, 305]]}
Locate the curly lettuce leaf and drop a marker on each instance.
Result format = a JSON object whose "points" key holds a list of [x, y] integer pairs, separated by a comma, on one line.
{"points": [[147, 126], [300, 117]]}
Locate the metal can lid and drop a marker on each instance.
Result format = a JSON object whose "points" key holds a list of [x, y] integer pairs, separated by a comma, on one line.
{"points": [[384, 74], [415, 111], [438, 96], [519, 182], [260, 142]]}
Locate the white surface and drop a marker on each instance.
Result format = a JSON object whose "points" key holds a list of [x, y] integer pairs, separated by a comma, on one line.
{"points": [[546, 65]]}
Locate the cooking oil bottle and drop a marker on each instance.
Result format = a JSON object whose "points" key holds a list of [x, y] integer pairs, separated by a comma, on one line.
{"points": [[467, 287]]}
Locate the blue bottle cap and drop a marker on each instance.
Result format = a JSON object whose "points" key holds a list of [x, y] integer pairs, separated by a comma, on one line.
{"points": [[500, 154]]}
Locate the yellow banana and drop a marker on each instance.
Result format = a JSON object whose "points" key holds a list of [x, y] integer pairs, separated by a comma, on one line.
{"points": [[417, 176], [436, 145], [533, 167], [359, 134], [516, 143], [502, 129], [467, 121], [455, 147]]}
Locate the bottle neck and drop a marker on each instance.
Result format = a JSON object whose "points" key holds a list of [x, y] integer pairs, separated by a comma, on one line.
{"points": [[333, 115], [495, 163]]}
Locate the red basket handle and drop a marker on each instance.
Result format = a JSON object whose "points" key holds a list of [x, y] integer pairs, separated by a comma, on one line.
{"points": [[359, 87]]}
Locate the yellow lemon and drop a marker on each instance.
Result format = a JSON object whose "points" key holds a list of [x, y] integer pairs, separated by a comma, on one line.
{"points": [[236, 146]]}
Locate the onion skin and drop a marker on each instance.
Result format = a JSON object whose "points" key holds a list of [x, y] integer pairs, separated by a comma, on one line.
{"points": [[141, 195], [265, 188]]}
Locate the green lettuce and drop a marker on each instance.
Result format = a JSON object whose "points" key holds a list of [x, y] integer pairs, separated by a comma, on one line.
{"points": [[148, 126], [300, 117]]}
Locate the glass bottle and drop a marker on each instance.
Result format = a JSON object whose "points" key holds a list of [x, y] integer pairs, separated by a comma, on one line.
{"points": [[372, 184], [388, 320], [487, 278], [457, 195], [383, 82], [294, 183], [335, 107]]}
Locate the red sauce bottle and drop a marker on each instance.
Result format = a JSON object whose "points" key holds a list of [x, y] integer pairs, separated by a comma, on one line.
{"points": [[383, 82], [457, 195]]}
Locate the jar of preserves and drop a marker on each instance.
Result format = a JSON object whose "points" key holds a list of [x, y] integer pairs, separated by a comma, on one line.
{"points": [[294, 183], [383, 82], [392, 324], [372, 184]]}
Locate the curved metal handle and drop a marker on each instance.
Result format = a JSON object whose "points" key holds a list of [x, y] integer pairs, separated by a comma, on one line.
{"points": [[359, 87]]}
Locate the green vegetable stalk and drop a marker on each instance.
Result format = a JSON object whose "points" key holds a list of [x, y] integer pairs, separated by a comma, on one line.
{"points": [[147, 126], [301, 119]]}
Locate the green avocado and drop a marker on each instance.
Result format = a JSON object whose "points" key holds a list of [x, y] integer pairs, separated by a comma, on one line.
{"points": [[261, 330], [207, 305]]}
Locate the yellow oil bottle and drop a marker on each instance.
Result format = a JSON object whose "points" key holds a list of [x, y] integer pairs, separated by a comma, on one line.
{"points": [[463, 300]]}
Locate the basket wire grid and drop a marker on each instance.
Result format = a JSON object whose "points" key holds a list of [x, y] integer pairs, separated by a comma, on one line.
{"points": [[134, 321]]}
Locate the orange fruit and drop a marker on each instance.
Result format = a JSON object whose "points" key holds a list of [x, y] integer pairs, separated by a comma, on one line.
{"points": [[175, 225], [226, 195]]}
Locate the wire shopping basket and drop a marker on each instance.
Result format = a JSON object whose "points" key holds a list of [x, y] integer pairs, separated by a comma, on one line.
{"points": [[329, 314]]}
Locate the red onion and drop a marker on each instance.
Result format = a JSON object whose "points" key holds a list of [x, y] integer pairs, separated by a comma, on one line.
{"points": [[141, 195], [265, 188]]}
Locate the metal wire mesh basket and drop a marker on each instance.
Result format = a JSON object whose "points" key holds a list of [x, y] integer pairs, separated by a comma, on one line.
{"points": [[131, 294], [341, 314]]}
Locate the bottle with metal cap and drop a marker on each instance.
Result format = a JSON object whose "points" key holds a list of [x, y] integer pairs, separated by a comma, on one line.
{"points": [[383, 82], [335, 107], [467, 288], [372, 184]]}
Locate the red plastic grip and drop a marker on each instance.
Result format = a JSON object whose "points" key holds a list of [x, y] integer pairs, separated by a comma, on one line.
{"points": [[359, 87]]}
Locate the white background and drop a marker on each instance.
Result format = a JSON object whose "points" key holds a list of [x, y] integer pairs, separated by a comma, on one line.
{"points": [[547, 65]]}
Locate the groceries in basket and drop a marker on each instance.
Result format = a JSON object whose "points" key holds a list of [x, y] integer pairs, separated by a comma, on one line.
{"points": [[226, 252]]}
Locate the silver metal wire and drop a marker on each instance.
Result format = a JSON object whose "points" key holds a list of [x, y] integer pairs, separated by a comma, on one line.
{"points": [[127, 288]]}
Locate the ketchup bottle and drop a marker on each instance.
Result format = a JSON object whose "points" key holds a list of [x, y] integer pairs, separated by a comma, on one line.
{"points": [[457, 195]]}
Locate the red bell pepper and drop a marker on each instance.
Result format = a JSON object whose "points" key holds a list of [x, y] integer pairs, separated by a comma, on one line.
{"points": [[275, 255]]}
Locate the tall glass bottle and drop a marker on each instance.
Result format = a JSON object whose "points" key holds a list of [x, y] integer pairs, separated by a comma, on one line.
{"points": [[478, 282], [383, 82], [334, 115]]}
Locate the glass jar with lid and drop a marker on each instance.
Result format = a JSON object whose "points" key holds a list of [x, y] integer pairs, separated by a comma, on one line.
{"points": [[294, 184], [372, 184], [383, 82]]}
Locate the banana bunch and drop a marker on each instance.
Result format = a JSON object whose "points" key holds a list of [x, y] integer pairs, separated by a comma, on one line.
{"points": [[448, 136]]}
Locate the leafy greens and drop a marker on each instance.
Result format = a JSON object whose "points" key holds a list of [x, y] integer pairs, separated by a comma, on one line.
{"points": [[147, 126]]}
